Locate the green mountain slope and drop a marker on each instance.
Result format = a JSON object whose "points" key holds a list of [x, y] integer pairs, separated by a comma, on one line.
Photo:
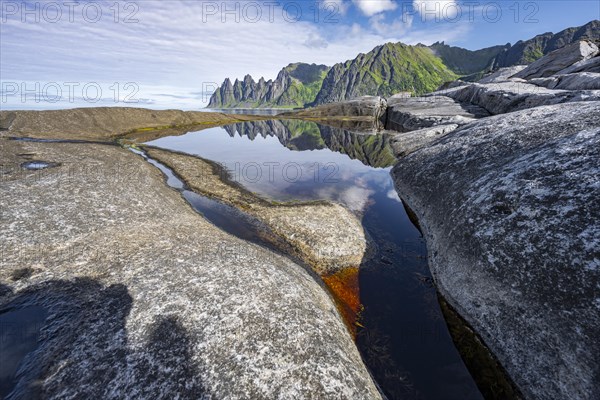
{"points": [[389, 69], [384, 71]]}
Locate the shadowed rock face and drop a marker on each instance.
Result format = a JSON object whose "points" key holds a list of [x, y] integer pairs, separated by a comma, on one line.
{"points": [[508, 206], [145, 298]]}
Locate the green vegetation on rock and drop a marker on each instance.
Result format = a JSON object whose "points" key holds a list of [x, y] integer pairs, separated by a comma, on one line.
{"points": [[384, 71], [387, 70]]}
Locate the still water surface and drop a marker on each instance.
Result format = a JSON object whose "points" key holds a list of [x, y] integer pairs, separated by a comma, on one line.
{"points": [[403, 337]]}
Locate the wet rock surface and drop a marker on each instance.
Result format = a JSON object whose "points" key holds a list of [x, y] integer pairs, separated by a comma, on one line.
{"points": [[145, 298], [326, 235], [508, 207]]}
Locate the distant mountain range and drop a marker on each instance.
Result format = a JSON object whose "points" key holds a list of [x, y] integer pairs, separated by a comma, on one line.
{"points": [[295, 85], [389, 69]]}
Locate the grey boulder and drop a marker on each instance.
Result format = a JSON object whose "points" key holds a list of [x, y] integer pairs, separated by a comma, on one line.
{"points": [[423, 112], [502, 75], [365, 106], [515, 95], [558, 60], [578, 81], [590, 65], [509, 207]]}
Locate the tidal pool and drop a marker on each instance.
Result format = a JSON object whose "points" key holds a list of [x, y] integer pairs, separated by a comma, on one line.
{"points": [[401, 333]]}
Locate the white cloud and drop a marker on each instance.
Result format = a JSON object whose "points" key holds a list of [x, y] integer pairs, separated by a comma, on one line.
{"points": [[336, 7], [171, 50], [392, 194], [395, 28], [315, 41], [372, 7], [438, 10]]}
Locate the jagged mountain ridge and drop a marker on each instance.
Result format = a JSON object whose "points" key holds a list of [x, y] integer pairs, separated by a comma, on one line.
{"points": [[528, 51], [295, 85], [392, 68]]}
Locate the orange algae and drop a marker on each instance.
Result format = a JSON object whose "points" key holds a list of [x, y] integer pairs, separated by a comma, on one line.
{"points": [[345, 289]]}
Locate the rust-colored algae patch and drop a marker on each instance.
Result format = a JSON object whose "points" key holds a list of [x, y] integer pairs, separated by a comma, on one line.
{"points": [[346, 291]]}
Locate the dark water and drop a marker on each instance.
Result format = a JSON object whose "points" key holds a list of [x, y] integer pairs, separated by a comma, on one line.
{"points": [[222, 215], [404, 339], [19, 332]]}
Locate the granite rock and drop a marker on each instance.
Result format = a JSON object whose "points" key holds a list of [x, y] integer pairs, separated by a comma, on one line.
{"points": [[508, 206]]}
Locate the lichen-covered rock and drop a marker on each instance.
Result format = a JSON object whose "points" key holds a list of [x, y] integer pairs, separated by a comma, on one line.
{"points": [[509, 207], [408, 142], [577, 81], [560, 59], [502, 75], [515, 95], [146, 299], [423, 112]]}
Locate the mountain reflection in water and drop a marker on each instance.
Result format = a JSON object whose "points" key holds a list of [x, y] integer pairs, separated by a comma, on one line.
{"points": [[402, 336]]}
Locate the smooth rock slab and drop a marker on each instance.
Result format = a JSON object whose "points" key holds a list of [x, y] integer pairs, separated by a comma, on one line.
{"points": [[408, 142], [104, 123], [515, 95], [423, 112], [324, 234], [509, 207], [502, 75], [146, 299]]}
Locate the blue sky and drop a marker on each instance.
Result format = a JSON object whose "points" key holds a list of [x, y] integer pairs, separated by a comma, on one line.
{"points": [[165, 54]]}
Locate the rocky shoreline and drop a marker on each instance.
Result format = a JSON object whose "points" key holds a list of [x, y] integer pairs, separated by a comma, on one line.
{"points": [[502, 175], [325, 235], [507, 206], [155, 298]]}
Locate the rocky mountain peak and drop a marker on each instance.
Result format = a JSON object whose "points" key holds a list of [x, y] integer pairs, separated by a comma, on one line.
{"points": [[295, 85]]}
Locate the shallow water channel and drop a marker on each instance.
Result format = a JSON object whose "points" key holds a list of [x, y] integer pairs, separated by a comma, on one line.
{"points": [[401, 332]]}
